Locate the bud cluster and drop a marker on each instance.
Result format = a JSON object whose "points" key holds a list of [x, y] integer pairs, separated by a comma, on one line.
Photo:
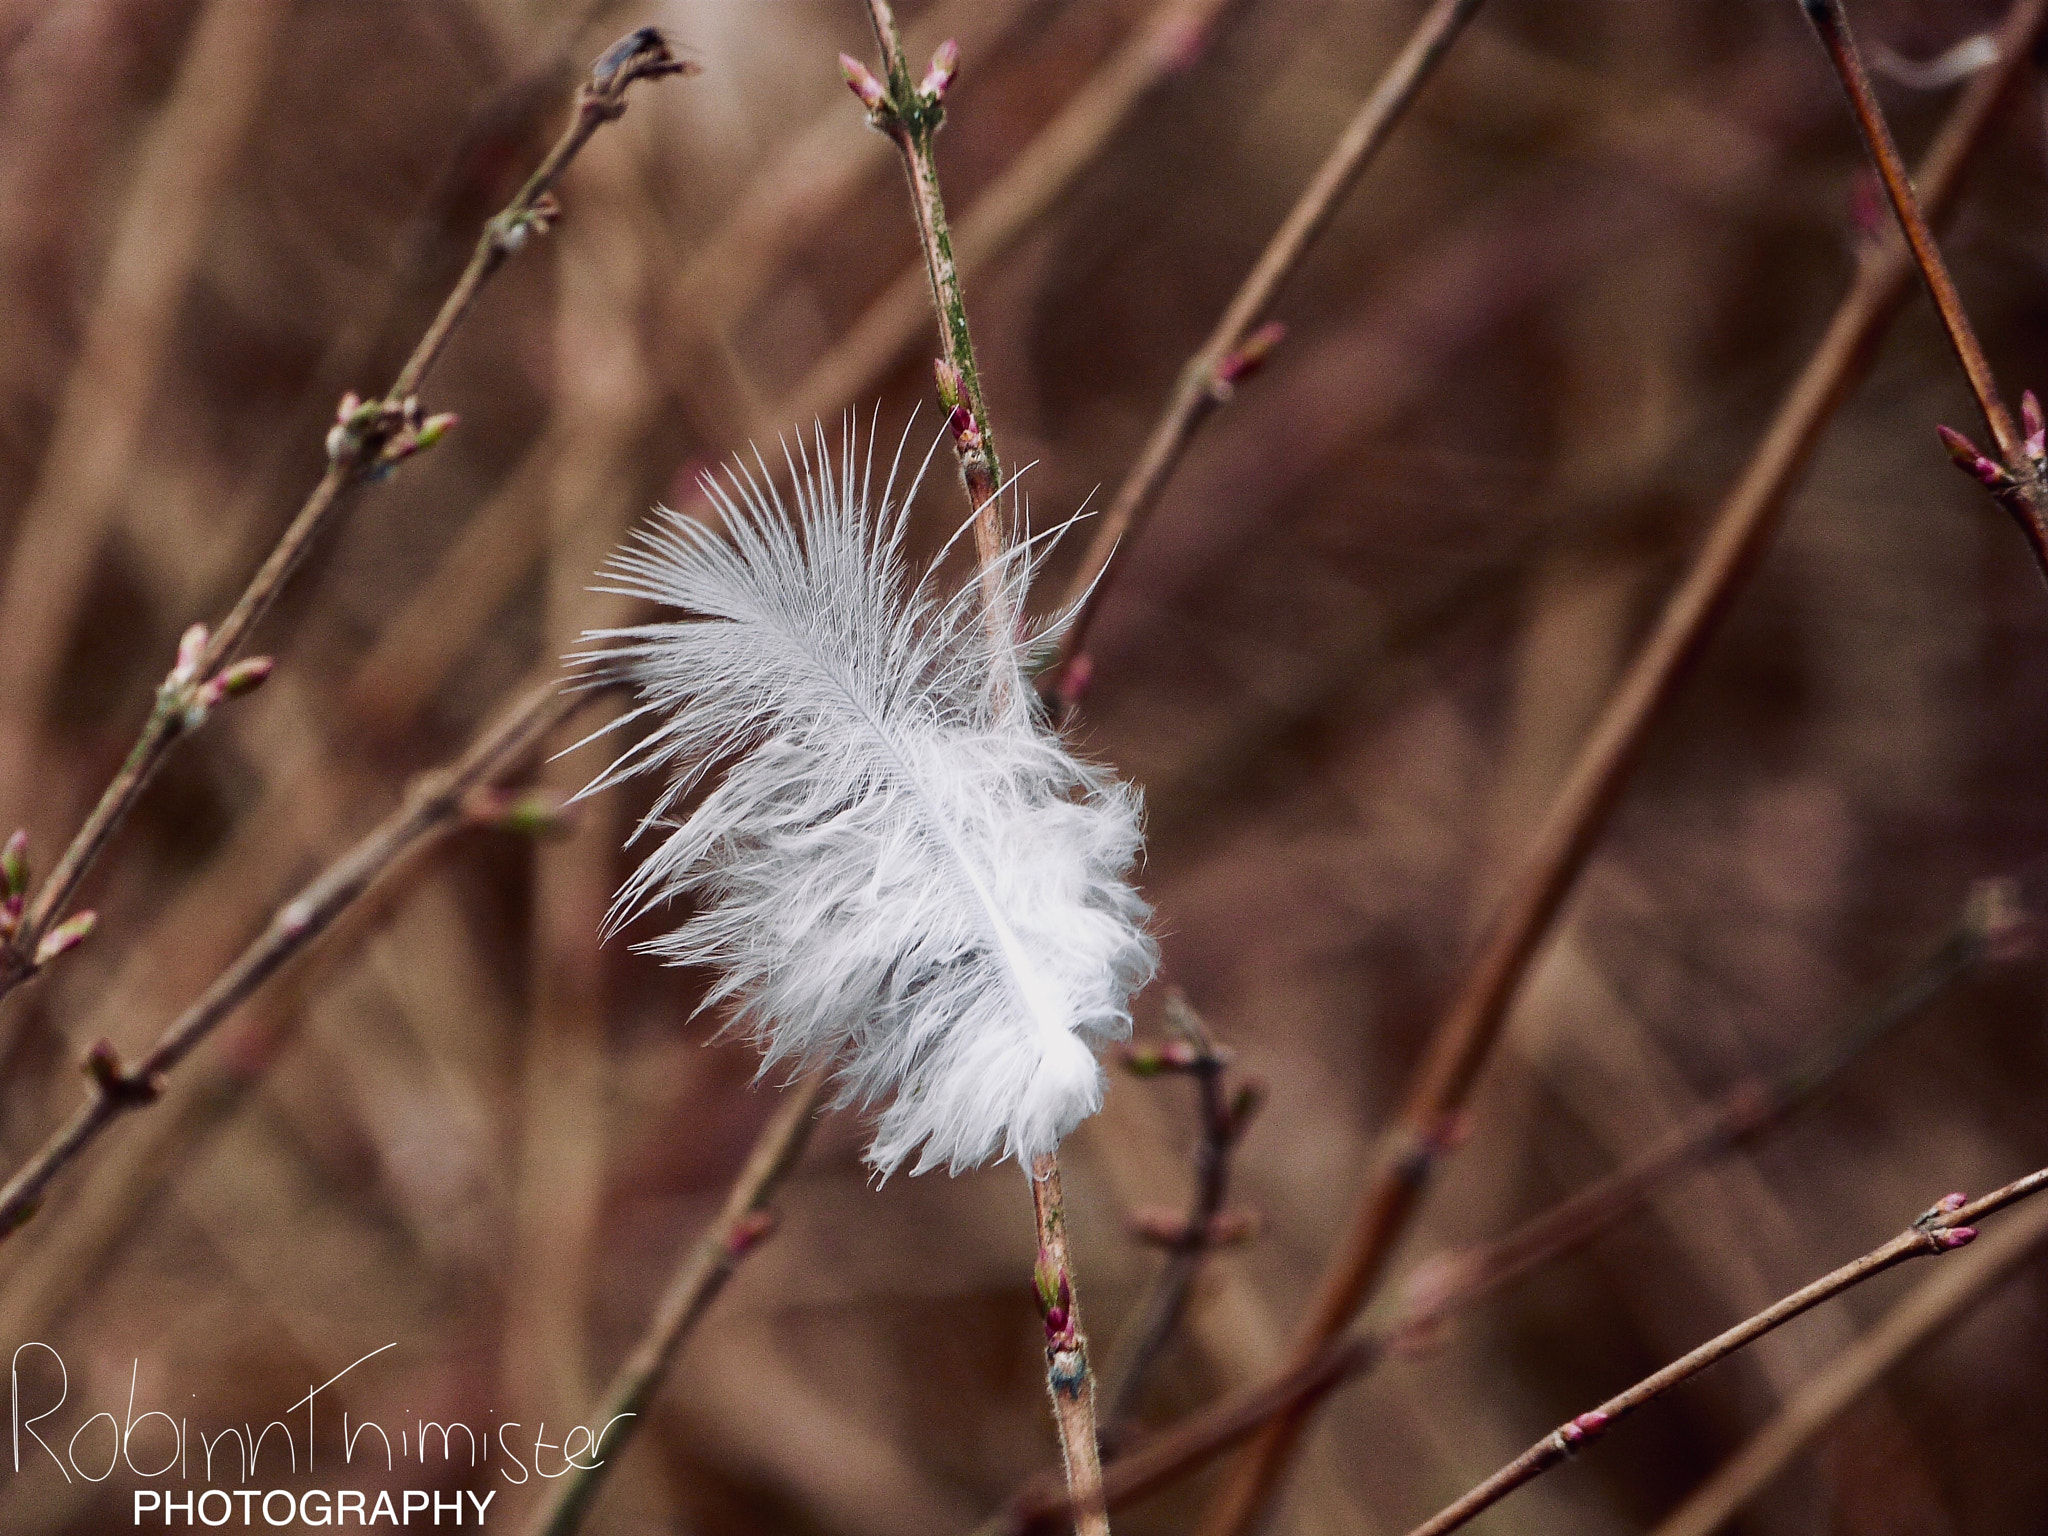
{"points": [[192, 699], [373, 436]]}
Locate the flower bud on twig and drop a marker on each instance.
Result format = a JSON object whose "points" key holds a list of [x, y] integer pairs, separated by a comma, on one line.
{"points": [[1972, 461], [945, 65], [863, 83], [65, 937]]}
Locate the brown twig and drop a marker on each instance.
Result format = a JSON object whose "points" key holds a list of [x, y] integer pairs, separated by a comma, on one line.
{"points": [[367, 441], [1940, 1229], [434, 805], [1915, 1321], [1458, 1049], [1187, 1239], [2018, 478], [741, 1223], [1068, 1379], [910, 113], [1232, 350]]}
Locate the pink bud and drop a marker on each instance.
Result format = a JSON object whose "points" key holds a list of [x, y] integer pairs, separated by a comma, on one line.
{"points": [[1968, 458], [2037, 427], [1075, 677], [1949, 1238], [945, 65], [748, 1231], [864, 84], [245, 676], [65, 937], [1249, 358], [14, 862], [191, 649]]}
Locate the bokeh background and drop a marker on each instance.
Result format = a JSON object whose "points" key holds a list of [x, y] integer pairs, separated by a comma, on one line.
{"points": [[1349, 663]]}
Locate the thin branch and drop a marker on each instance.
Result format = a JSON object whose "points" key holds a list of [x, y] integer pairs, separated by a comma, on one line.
{"points": [[1068, 1380], [1940, 1229], [1232, 351], [2019, 476], [1917, 1320], [741, 1224], [1832, 25], [910, 113], [433, 806], [1458, 1049], [368, 439], [1188, 1239]]}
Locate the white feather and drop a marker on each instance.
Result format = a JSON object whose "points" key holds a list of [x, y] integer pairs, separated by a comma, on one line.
{"points": [[903, 868]]}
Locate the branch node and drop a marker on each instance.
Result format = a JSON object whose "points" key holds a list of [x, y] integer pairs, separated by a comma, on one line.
{"points": [[120, 1087], [640, 55]]}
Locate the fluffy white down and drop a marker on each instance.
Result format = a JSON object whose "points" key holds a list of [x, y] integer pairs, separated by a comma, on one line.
{"points": [[902, 868]]}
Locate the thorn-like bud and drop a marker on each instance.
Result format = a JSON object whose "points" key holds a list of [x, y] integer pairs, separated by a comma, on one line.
{"points": [[1972, 461], [65, 937], [861, 80], [1247, 360], [1996, 916], [1245, 1105], [1047, 1281], [945, 65], [191, 648], [1074, 679], [244, 677], [966, 434], [1150, 1060], [526, 813], [748, 1232], [433, 429], [2036, 427], [14, 862]]}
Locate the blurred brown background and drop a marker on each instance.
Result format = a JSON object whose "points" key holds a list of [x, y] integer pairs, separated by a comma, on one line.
{"points": [[1348, 664]]}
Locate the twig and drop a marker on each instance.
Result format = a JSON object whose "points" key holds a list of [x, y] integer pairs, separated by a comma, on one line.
{"points": [[1068, 1379], [2019, 476], [368, 439], [1232, 351], [1940, 1229], [1187, 1239], [742, 1222], [1459, 1047], [434, 805], [1926, 1310], [910, 114]]}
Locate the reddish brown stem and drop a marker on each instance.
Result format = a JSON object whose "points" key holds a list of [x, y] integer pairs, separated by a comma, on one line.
{"points": [[2023, 488]]}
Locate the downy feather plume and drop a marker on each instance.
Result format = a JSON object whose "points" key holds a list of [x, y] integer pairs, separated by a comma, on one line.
{"points": [[902, 868]]}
